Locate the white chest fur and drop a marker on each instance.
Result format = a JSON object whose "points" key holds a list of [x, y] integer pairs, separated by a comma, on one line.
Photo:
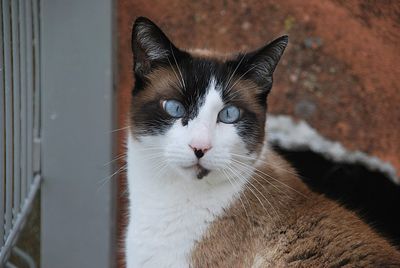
{"points": [[167, 213]]}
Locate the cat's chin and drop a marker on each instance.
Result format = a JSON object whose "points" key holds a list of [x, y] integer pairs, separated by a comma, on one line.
{"points": [[196, 171]]}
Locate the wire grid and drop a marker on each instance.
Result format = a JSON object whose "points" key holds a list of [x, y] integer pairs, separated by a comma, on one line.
{"points": [[19, 116]]}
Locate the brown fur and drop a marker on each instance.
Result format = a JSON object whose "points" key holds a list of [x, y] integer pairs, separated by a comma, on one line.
{"points": [[277, 221], [163, 86], [294, 228]]}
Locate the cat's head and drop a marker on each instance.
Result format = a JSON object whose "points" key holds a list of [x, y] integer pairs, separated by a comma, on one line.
{"points": [[202, 115]]}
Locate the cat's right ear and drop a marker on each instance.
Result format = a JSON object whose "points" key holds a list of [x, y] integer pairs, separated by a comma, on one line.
{"points": [[150, 46]]}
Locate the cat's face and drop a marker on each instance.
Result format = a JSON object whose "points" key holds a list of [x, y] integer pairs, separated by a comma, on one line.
{"points": [[201, 116]]}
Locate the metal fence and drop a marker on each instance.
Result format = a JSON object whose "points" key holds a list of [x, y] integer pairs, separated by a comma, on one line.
{"points": [[19, 117]]}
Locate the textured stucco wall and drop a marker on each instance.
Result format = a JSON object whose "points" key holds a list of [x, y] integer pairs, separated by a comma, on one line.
{"points": [[340, 72]]}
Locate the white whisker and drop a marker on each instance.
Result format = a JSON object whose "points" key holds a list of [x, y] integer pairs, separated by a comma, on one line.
{"points": [[239, 193], [234, 72], [179, 69], [257, 159], [261, 177], [102, 182], [176, 76], [119, 129], [251, 172], [115, 159], [271, 177], [250, 187]]}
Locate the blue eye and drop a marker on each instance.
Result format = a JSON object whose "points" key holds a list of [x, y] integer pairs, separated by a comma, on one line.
{"points": [[229, 115], [174, 108]]}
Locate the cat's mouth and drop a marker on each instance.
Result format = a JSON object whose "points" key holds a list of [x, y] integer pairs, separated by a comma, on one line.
{"points": [[201, 172]]}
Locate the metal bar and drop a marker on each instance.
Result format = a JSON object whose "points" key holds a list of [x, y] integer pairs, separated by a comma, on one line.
{"points": [[10, 265], [29, 95], [20, 221], [2, 131], [16, 108], [8, 117], [24, 256], [23, 74], [68, 36], [37, 91]]}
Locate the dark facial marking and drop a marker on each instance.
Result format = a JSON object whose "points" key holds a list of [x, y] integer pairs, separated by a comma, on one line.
{"points": [[160, 67], [201, 172]]}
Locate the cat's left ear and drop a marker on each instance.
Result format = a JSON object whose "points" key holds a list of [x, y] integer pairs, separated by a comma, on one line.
{"points": [[150, 47], [260, 64]]}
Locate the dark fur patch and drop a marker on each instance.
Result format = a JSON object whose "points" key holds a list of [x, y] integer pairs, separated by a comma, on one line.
{"points": [[163, 72], [148, 117]]}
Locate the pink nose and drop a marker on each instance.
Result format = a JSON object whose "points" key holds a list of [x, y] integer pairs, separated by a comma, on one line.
{"points": [[200, 151]]}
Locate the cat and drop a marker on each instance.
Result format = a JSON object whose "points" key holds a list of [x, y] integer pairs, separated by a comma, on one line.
{"points": [[205, 189]]}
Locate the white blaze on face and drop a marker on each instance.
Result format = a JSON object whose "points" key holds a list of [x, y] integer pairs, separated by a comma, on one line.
{"points": [[202, 128], [203, 132]]}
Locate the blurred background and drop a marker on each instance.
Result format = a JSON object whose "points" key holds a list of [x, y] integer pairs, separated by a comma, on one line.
{"points": [[340, 71], [339, 75]]}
